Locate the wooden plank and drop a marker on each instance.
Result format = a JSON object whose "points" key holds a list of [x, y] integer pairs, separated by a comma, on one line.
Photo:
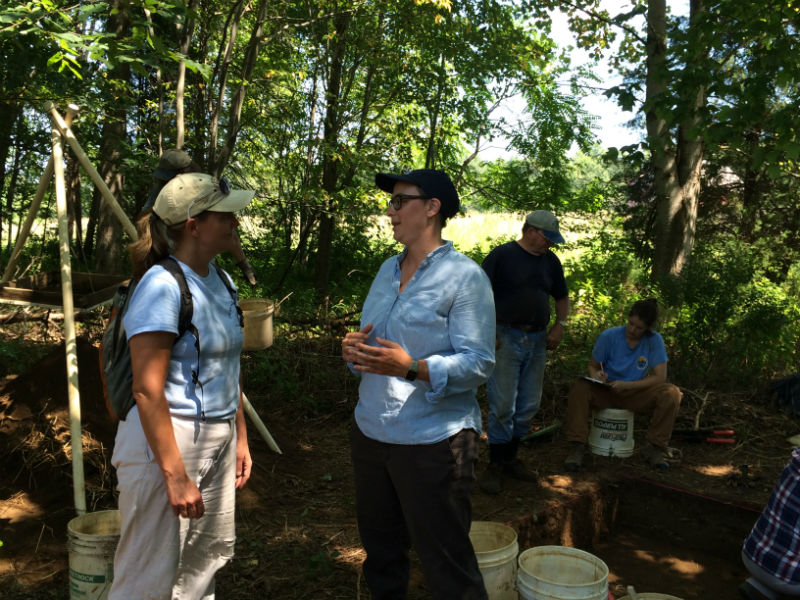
{"points": [[89, 289]]}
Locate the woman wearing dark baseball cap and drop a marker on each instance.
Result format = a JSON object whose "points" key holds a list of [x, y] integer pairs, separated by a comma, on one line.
{"points": [[426, 343]]}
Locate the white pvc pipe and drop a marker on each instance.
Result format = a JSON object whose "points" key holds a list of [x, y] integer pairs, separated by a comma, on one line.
{"points": [[262, 429], [25, 230], [76, 439]]}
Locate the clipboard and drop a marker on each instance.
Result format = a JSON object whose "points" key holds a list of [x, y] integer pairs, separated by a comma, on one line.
{"points": [[596, 381]]}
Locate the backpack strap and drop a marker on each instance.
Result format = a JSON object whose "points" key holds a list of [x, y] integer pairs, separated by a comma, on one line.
{"points": [[187, 308], [185, 319], [234, 294]]}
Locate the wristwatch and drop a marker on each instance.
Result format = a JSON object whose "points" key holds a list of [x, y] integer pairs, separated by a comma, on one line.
{"points": [[563, 324], [412, 370]]}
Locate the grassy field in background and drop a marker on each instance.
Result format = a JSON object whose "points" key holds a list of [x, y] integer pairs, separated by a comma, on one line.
{"points": [[484, 231]]}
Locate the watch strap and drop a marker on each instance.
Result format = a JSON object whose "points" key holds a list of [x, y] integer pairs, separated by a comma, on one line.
{"points": [[413, 370]]}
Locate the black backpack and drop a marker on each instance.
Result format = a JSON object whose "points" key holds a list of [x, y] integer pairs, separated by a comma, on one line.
{"points": [[115, 354]]}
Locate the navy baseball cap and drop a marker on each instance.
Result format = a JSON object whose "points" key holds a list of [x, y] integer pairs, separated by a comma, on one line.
{"points": [[434, 183]]}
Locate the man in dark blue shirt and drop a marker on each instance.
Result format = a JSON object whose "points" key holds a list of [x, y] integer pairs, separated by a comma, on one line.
{"points": [[524, 274]]}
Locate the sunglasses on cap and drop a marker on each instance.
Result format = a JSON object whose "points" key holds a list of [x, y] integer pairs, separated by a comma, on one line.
{"points": [[224, 188]]}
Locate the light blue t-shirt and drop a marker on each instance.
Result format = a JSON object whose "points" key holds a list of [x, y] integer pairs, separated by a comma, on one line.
{"points": [[623, 363], [155, 306], [445, 315]]}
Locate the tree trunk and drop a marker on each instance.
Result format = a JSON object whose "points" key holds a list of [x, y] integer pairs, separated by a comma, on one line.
{"points": [[221, 77], [74, 212], [677, 166], [11, 113], [160, 87], [185, 29], [10, 193], [329, 159], [750, 187], [235, 115], [109, 247], [430, 153]]}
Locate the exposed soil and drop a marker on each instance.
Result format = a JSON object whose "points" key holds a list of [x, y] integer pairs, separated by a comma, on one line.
{"points": [[677, 532]]}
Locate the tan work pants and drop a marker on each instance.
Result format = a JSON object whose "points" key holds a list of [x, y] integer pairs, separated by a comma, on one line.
{"points": [[661, 402]]}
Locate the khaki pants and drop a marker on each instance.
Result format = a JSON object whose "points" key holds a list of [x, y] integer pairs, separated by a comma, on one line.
{"points": [[661, 402], [161, 556]]}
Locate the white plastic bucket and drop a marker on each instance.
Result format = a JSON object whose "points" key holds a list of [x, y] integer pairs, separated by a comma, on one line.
{"points": [[611, 433], [92, 540], [652, 596], [561, 573], [257, 313], [496, 548]]}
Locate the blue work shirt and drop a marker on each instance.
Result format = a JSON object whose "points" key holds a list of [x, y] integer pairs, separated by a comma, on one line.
{"points": [[623, 363], [445, 315]]}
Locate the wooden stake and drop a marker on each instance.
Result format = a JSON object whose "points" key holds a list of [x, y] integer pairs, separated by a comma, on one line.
{"points": [[76, 432], [64, 129]]}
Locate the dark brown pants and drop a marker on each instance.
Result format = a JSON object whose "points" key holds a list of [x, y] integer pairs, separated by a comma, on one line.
{"points": [[661, 402], [417, 494]]}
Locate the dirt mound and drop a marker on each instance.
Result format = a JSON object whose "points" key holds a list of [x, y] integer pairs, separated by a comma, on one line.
{"points": [[35, 426]]}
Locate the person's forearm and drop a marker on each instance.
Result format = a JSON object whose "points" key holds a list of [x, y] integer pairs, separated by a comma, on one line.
{"points": [[157, 426], [562, 309], [241, 424], [651, 380]]}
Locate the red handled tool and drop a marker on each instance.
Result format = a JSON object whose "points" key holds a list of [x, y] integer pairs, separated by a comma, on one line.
{"points": [[710, 436]]}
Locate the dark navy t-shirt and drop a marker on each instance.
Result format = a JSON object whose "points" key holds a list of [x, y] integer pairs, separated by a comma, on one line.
{"points": [[523, 283]]}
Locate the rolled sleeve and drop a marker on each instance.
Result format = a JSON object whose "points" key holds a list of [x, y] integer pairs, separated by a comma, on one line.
{"points": [[472, 335]]}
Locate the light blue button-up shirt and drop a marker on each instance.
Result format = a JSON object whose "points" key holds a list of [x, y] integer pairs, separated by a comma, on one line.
{"points": [[445, 316]]}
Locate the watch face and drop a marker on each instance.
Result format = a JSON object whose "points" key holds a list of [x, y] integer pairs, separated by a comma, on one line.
{"points": [[412, 371]]}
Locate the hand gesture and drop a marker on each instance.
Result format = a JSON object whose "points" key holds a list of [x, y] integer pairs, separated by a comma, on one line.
{"points": [[351, 342], [387, 359]]}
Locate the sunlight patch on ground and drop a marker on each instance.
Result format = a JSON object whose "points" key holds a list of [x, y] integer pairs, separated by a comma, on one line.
{"points": [[18, 508], [352, 555], [559, 482], [684, 567], [715, 470]]}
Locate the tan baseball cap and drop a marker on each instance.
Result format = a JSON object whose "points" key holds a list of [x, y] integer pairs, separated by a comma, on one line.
{"points": [[189, 194]]}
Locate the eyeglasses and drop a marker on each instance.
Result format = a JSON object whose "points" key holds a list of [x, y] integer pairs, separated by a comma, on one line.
{"points": [[398, 200], [224, 189]]}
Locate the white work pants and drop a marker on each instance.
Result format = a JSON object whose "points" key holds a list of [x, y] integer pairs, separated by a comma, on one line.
{"points": [[161, 556]]}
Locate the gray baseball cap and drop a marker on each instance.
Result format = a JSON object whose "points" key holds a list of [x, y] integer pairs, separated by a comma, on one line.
{"points": [[548, 223], [170, 163]]}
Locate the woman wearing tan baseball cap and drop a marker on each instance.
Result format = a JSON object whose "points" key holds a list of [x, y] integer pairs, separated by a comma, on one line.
{"points": [[181, 451], [174, 162]]}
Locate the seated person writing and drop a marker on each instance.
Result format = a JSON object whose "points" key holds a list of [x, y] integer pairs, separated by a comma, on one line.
{"points": [[630, 364]]}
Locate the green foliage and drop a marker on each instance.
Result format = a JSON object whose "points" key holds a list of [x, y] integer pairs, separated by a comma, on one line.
{"points": [[17, 354], [733, 325]]}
